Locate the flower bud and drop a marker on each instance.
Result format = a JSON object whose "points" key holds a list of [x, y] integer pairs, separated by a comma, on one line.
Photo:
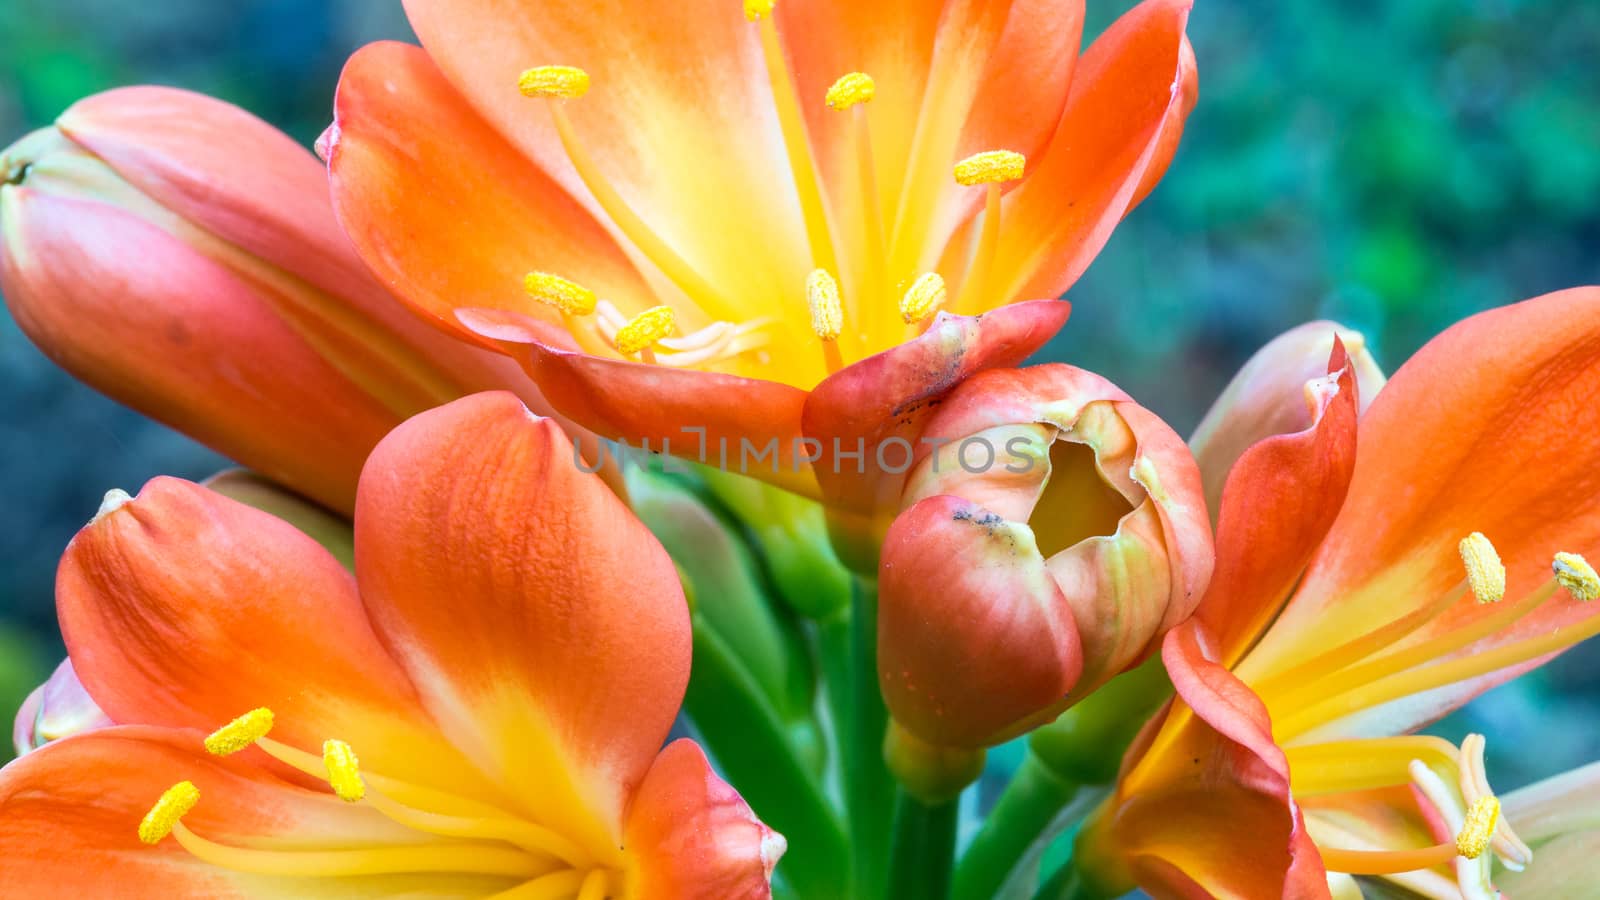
{"points": [[56, 709], [1053, 530], [182, 256], [1274, 394]]}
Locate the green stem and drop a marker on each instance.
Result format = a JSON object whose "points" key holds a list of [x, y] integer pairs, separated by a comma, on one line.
{"points": [[922, 848], [869, 789], [1069, 884], [1036, 807], [750, 743]]}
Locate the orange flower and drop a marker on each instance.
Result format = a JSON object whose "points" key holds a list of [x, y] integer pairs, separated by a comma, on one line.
{"points": [[182, 256], [486, 697], [1355, 599], [780, 224]]}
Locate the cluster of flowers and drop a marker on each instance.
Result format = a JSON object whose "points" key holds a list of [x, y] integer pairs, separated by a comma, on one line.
{"points": [[423, 649]]}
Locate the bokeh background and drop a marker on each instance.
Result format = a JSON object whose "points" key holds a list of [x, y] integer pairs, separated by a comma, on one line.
{"points": [[1392, 164]]}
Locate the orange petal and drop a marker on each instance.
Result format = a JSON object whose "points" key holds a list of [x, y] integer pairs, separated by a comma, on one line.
{"points": [[1124, 93], [443, 208], [1207, 810], [680, 110], [72, 812], [957, 581], [1280, 499], [181, 607], [1188, 90], [1268, 397], [544, 626], [691, 836], [1485, 429]]}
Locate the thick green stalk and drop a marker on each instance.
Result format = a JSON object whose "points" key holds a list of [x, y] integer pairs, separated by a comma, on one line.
{"points": [[869, 789], [922, 849], [748, 739], [1037, 806], [1071, 764]]}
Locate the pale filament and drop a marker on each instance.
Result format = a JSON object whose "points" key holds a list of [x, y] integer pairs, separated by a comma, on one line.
{"points": [[1472, 814], [714, 343]]}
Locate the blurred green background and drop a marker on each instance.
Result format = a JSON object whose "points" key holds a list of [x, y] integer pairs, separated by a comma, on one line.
{"points": [[1394, 164]]}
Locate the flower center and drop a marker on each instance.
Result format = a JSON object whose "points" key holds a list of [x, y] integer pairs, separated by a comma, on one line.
{"points": [[859, 321], [459, 835]]}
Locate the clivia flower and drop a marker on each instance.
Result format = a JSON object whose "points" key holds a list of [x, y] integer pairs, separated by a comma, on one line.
{"points": [[182, 256], [767, 233], [478, 711], [1356, 598], [1054, 531]]}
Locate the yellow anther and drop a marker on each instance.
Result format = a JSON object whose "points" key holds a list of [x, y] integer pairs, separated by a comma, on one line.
{"points": [[643, 330], [1577, 576], [822, 297], [755, 9], [1479, 827], [923, 298], [856, 87], [1485, 573], [552, 290], [344, 770], [240, 733], [990, 167], [173, 805], [565, 82]]}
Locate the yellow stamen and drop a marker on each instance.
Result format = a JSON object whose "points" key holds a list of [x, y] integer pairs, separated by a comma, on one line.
{"points": [[1414, 680], [561, 82], [856, 87], [1361, 764], [922, 299], [344, 770], [644, 330], [990, 167], [852, 92], [1479, 829], [1575, 574], [571, 298], [1325, 694], [527, 835], [822, 297], [1385, 862], [792, 124], [456, 858], [1299, 677], [240, 733], [1485, 572], [467, 818], [630, 224], [173, 805]]}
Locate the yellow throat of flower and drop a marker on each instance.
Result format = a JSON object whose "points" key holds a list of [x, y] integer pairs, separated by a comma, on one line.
{"points": [[456, 834], [879, 302]]}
